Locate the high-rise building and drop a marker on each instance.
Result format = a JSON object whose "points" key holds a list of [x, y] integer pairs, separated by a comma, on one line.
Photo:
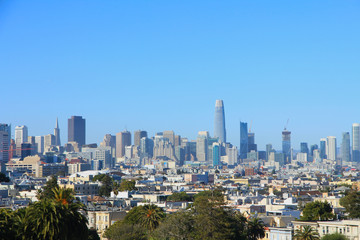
{"points": [[4, 150], [356, 142], [345, 147], [202, 146], [138, 135], [312, 148], [109, 141], [216, 154], [323, 148], [269, 149], [57, 133], [219, 123], [49, 140], [76, 130], [169, 135], [146, 147], [6, 128], [251, 142], [243, 140], [21, 135], [39, 140], [331, 148], [286, 145], [304, 148], [123, 139]]}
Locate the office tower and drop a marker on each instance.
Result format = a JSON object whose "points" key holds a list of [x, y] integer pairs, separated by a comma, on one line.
{"points": [[180, 155], [331, 148], [105, 156], [219, 123], [345, 147], [251, 142], [243, 140], [202, 146], [356, 142], [164, 148], [268, 150], [323, 148], [76, 130], [312, 148], [109, 141], [21, 135], [304, 148], [39, 140], [169, 135], [123, 139], [26, 149], [146, 147], [49, 140], [177, 140], [57, 133], [4, 150], [286, 145], [216, 154], [6, 128], [232, 154], [138, 135]]}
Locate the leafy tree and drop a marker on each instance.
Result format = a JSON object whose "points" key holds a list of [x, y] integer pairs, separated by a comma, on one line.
{"points": [[121, 230], [4, 178], [127, 185], [255, 229], [106, 186], [306, 233], [180, 197], [334, 236], [93, 235], [179, 225], [99, 177], [214, 194], [47, 192], [7, 224], [351, 203], [317, 210]]}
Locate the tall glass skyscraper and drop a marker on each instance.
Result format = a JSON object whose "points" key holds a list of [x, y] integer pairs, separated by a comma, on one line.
{"points": [[243, 140], [345, 147], [286, 145], [76, 130], [356, 142], [331, 148], [323, 148], [219, 123]]}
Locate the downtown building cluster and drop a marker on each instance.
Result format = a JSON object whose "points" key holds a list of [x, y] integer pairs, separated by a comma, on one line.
{"points": [[270, 184]]}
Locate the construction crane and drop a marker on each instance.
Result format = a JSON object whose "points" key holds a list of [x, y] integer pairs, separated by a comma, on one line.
{"points": [[287, 122]]}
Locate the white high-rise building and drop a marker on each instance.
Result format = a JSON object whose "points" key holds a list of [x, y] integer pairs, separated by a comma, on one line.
{"points": [[39, 140], [21, 135], [356, 142], [202, 146], [331, 148]]}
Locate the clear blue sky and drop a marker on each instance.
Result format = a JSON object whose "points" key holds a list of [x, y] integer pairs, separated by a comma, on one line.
{"points": [[160, 65]]}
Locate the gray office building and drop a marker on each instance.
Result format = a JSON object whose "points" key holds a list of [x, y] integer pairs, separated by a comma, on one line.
{"points": [[123, 139], [76, 130], [219, 123], [138, 135], [356, 142], [243, 140], [345, 147]]}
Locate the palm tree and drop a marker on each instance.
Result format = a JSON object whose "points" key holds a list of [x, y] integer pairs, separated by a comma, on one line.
{"points": [[306, 233], [255, 229], [151, 216]]}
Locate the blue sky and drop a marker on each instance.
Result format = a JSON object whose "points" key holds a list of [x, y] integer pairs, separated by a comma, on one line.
{"points": [[160, 65]]}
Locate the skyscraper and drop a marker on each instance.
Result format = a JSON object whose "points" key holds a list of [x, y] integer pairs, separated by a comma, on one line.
{"points": [[202, 146], [356, 142], [243, 140], [286, 145], [331, 148], [323, 148], [251, 142], [21, 135], [123, 139], [76, 130], [138, 135], [345, 147], [216, 154], [304, 148], [57, 133], [219, 123], [170, 135]]}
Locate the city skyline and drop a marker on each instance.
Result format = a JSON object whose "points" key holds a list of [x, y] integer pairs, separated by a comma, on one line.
{"points": [[165, 66]]}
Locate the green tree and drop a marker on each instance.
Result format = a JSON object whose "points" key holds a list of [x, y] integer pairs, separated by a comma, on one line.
{"points": [[7, 224], [121, 230], [334, 236], [98, 177], [93, 235], [180, 197], [4, 178], [255, 229], [317, 210], [176, 226], [306, 233], [106, 187], [127, 185], [151, 216], [47, 192], [351, 203]]}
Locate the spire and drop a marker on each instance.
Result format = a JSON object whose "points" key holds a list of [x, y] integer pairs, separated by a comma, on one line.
{"points": [[57, 123]]}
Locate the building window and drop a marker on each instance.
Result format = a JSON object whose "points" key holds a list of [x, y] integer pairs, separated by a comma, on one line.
{"points": [[348, 229]]}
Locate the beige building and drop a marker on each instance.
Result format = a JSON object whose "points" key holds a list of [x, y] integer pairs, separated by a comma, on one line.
{"points": [[29, 163], [102, 220], [83, 188]]}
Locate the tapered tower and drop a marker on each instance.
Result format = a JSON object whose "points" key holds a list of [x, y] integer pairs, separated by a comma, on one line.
{"points": [[219, 123]]}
